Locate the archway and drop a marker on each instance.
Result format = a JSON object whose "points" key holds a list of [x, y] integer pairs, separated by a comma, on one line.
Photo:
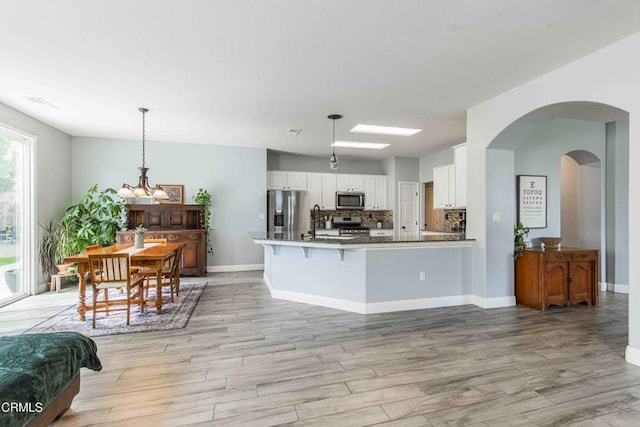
{"points": [[534, 144]]}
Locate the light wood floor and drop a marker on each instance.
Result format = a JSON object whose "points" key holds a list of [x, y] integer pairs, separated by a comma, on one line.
{"points": [[245, 359]]}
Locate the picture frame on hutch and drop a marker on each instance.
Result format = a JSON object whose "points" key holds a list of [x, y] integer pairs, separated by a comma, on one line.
{"points": [[532, 200], [175, 193]]}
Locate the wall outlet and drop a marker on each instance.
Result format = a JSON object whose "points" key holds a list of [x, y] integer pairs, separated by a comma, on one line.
{"points": [[423, 276], [261, 215]]}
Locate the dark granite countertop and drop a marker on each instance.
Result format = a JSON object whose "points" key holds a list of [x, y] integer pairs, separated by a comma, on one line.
{"points": [[303, 238]]}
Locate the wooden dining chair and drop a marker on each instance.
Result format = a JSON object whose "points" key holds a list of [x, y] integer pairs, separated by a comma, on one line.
{"points": [[170, 276], [111, 271]]}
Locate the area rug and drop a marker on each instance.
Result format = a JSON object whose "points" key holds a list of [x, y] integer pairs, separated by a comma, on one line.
{"points": [[175, 315]]}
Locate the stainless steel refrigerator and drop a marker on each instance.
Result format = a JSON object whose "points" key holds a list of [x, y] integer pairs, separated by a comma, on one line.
{"points": [[288, 211]]}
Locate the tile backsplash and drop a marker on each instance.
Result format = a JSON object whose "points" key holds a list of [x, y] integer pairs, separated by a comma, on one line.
{"points": [[369, 218], [455, 220]]}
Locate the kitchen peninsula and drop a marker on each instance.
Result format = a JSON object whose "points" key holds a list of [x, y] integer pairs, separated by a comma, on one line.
{"points": [[368, 274]]}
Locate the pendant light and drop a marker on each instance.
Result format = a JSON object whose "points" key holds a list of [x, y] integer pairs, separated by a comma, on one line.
{"points": [[142, 189], [333, 160]]}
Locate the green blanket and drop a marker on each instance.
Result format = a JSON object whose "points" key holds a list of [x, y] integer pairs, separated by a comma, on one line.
{"points": [[35, 368]]}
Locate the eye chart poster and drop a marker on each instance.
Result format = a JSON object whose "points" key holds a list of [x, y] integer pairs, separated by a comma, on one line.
{"points": [[532, 201]]}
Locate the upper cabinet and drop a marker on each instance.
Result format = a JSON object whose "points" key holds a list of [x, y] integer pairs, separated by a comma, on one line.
{"points": [[460, 168], [450, 181], [283, 180], [375, 192], [349, 182], [322, 187]]}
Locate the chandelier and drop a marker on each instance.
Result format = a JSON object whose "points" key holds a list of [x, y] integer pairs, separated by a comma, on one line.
{"points": [[143, 189], [333, 160]]}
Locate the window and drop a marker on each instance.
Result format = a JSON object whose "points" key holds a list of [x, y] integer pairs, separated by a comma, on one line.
{"points": [[17, 253]]}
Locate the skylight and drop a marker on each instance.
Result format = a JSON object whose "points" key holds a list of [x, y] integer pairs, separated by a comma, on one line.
{"points": [[356, 144], [385, 130]]}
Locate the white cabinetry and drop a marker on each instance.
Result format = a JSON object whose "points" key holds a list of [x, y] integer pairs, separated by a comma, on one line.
{"points": [[283, 180], [375, 192], [443, 187], [328, 191], [314, 187], [460, 166], [450, 182], [347, 182]]}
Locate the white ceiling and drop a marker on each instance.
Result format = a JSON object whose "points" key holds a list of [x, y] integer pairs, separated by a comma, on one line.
{"points": [[242, 72]]}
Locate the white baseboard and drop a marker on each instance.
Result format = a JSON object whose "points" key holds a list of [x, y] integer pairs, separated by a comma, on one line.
{"points": [[632, 356], [621, 289], [614, 287], [387, 306], [496, 302], [236, 267]]}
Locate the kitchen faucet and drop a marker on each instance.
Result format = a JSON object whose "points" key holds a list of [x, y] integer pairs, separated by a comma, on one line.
{"points": [[313, 231]]}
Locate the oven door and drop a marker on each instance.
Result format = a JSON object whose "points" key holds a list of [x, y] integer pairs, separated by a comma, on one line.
{"points": [[346, 200]]}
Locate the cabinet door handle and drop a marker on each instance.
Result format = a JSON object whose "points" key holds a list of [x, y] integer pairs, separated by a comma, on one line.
{"points": [[558, 256]]}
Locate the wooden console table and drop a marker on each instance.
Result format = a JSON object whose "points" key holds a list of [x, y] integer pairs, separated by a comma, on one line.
{"points": [[557, 277]]}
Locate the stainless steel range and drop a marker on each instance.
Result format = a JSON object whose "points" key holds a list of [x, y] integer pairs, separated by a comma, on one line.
{"points": [[350, 225]]}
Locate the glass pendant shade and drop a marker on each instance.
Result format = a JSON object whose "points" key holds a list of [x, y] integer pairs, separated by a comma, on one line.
{"points": [[333, 160]]}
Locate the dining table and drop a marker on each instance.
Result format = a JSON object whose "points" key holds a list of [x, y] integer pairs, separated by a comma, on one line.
{"points": [[152, 255]]}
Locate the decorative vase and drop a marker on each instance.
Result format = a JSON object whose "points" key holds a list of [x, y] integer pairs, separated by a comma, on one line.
{"points": [[139, 240]]}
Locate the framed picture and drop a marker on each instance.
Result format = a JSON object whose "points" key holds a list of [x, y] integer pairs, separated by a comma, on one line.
{"points": [[175, 193], [532, 200]]}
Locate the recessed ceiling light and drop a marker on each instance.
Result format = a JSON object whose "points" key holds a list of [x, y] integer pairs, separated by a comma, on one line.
{"points": [[385, 130], [355, 144]]}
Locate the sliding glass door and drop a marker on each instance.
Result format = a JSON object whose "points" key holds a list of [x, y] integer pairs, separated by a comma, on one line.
{"points": [[16, 210]]}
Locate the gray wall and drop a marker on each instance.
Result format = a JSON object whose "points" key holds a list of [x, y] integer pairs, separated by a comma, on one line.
{"points": [[53, 167], [542, 154], [235, 177], [399, 169], [500, 178], [617, 203], [439, 158], [294, 162]]}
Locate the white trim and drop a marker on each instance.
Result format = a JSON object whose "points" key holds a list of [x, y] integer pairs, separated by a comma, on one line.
{"points": [[386, 306], [621, 289], [492, 302], [234, 267], [632, 356], [415, 304], [614, 287]]}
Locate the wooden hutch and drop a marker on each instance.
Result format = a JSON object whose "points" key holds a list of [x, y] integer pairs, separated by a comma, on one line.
{"points": [[177, 224], [557, 277]]}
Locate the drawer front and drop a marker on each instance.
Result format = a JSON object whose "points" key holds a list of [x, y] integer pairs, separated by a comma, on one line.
{"points": [[584, 256], [557, 256]]}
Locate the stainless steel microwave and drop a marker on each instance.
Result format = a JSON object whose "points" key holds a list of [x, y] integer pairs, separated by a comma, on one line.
{"points": [[349, 200]]}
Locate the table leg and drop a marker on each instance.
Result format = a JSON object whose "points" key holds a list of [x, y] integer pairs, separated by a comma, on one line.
{"points": [[159, 288], [82, 290]]}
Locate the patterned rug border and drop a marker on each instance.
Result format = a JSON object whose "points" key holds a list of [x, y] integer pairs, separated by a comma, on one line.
{"points": [[174, 315]]}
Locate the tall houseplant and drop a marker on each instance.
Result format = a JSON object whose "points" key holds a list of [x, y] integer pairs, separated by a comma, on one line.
{"points": [[203, 197], [93, 221], [47, 250]]}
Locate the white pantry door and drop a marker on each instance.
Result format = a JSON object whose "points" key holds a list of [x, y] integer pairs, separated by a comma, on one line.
{"points": [[408, 211]]}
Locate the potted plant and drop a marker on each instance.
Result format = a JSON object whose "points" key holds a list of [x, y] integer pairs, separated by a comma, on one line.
{"points": [[138, 234], [12, 279], [203, 197], [520, 232], [93, 221], [47, 250]]}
